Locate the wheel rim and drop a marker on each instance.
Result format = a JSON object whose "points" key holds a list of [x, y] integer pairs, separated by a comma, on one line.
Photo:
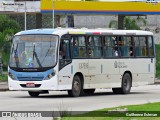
{"points": [[76, 87], [126, 84]]}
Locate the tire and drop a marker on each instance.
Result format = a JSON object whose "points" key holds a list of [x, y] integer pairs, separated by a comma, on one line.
{"points": [[89, 91], [126, 85], [76, 87], [33, 94]]}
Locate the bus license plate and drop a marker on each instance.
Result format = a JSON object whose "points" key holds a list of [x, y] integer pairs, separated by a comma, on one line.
{"points": [[30, 85]]}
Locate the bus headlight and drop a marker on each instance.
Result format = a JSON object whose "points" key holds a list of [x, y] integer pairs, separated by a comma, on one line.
{"points": [[49, 76], [11, 76]]}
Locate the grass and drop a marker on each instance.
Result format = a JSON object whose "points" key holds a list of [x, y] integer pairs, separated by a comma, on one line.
{"points": [[152, 108]]}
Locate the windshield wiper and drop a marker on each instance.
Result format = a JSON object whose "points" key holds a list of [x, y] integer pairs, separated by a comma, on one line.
{"points": [[36, 56], [47, 52], [12, 49]]}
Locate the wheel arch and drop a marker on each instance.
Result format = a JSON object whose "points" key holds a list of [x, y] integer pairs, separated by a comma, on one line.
{"points": [[81, 78]]}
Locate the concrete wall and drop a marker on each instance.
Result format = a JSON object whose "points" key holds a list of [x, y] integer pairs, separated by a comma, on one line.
{"points": [[153, 22], [98, 21]]}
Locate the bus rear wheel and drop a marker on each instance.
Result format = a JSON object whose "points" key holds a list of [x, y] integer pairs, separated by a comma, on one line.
{"points": [[33, 94], [126, 85], [76, 87]]}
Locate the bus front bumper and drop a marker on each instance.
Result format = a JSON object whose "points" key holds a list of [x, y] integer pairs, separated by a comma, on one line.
{"points": [[33, 85]]}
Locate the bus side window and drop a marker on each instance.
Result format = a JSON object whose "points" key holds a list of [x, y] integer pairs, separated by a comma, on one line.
{"points": [[141, 46], [150, 46], [90, 46], [94, 46], [108, 47], [137, 47], [126, 46], [74, 46], [97, 46], [78, 47], [81, 52], [82, 46]]}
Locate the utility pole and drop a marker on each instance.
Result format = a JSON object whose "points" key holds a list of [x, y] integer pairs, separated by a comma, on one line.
{"points": [[25, 17], [1, 65], [53, 12], [121, 22]]}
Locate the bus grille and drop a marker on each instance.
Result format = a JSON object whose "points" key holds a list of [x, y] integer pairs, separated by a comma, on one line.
{"points": [[30, 78]]}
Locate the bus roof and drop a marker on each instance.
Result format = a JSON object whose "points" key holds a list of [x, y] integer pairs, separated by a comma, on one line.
{"points": [[83, 31]]}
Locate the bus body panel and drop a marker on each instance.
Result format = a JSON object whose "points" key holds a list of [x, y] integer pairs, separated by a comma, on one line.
{"points": [[97, 73], [142, 70], [103, 73], [81, 66], [65, 78]]}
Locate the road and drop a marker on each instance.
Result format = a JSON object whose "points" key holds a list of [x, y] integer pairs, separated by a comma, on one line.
{"points": [[103, 98]]}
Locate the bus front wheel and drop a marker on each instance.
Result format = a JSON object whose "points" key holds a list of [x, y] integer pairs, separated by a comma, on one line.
{"points": [[126, 85], [76, 87], [33, 94]]}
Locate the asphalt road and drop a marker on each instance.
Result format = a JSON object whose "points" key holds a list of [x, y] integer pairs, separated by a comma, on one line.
{"points": [[103, 98]]}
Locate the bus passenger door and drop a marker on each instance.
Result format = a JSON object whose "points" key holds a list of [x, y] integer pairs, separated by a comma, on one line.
{"points": [[64, 65], [79, 56]]}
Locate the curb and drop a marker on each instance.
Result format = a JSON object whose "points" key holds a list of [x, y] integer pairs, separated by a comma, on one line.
{"points": [[4, 86], [156, 83], [4, 89]]}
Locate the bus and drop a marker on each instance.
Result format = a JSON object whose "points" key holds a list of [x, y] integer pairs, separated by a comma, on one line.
{"points": [[81, 60]]}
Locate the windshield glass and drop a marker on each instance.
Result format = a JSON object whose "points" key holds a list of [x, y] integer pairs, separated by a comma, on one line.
{"points": [[33, 51]]}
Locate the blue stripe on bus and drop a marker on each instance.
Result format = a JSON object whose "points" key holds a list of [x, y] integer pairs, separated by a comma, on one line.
{"points": [[71, 69], [31, 76], [148, 67], [101, 68]]}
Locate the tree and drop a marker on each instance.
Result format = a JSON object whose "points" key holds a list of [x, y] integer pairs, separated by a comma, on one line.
{"points": [[8, 27], [129, 23], [7, 23]]}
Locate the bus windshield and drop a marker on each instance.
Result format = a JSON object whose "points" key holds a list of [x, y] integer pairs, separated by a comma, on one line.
{"points": [[33, 51]]}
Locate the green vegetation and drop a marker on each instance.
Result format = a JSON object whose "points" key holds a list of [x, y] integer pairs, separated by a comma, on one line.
{"points": [[103, 114], [8, 27], [5, 59], [158, 61], [129, 23], [7, 23], [3, 77]]}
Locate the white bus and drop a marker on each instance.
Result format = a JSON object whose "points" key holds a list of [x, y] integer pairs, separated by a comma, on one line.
{"points": [[81, 60]]}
